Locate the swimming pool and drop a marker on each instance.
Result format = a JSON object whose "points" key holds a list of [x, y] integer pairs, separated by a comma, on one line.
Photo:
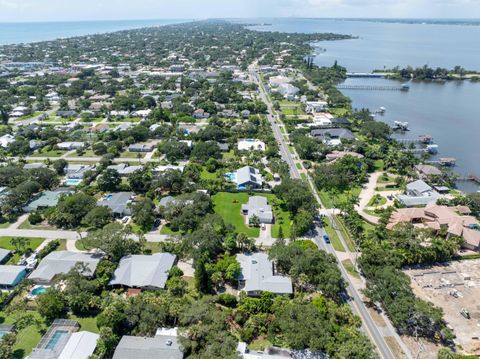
{"points": [[4, 332], [108, 196], [231, 176], [38, 290], [72, 182], [56, 337]]}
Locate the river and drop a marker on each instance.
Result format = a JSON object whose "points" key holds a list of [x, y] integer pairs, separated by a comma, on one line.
{"points": [[449, 111]]}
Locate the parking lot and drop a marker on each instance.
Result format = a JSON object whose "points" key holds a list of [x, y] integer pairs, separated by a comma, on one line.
{"points": [[455, 287]]}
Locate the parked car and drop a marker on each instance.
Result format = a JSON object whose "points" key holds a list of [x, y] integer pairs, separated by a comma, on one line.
{"points": [[326, 238]]}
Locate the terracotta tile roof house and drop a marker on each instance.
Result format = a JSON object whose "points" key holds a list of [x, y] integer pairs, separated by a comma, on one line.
{"points": [[456, 220]]}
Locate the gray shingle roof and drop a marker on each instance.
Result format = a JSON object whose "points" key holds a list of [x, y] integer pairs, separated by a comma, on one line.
{"points": [[62, 262], [144, 271], [248, 174], [257, 272], [158, 347], [342, 133], [11, 275], [4, 254], [118, 203], [257, 205]]}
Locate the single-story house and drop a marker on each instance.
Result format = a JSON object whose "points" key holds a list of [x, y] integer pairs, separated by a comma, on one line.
{"points": [[124, 169], [257, 206], [162, 168], [67, 114], [46, 199], [335, 155], [248, 144], [119, 114], [225, 147], [139, 147], [61, 262], [246, 177], [69, 146], [340, 121], [200, 114], [5, 254], [418, 193], [118, 202], [315, 106], [6, 140], [333, 136], [288, 91], [34, 166], [258, 275], [77, 171], [164, 344], [144, 271], [10, 276], [424, 171], [142, 113]]}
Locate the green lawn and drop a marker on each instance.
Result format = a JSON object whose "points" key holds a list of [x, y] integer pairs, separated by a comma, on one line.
{"points": [[51, 153], [292, 111], [27, 225], [350, 268], [4, 223], [345, 234], [208, 176], [379, 165], [338, 112], [5, 243], [376, 200], [329, 199], [230, 155], [168, 231], [88, 324], [128, 154], [332, 234], [228, 206], [153, 246], [87, 153]]}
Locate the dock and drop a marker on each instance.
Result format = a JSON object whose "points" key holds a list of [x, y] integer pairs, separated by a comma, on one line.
{"points": [[374, 87], [469, 178], [366, 74], [444, 161]]}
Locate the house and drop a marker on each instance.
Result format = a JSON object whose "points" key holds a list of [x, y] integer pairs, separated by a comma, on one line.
{"points": [[34, 166], [77, 171], [46, 199], [257, 206], [69, 146], [124, 169], [63, 341], [200, 114], [99, 106], [248, 144], [245, 114], [162, 168], [333, 136], [119, 114], [144, 271], [246, 177], [10, 276], [67, 114], [224, 147], [288, 91], [335, 155], [118, 202], [258, 275], [142, 113], [340, 121], [276, 81], [164, 344], [6, 140], [62, 262], [315, 106], [139, 147], [456, 221], [5, 254], [418, 193], [424, 171]]}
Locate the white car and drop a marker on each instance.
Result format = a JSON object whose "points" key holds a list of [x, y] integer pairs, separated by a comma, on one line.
{"points": [[125, 219]]}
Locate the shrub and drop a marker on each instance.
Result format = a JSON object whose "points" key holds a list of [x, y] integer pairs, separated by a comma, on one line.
{"points": [[35, 218]]}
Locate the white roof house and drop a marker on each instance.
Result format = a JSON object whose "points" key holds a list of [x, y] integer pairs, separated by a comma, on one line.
{"points": [[418, 193], [144, 271], [248, 144], [257, 206], [62, 262], [247, 176], [258, 276], [80, 345], [7, 139], [11, 275]]}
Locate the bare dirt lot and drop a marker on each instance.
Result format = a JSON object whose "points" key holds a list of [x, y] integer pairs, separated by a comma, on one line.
{"points": [[453, 287]]}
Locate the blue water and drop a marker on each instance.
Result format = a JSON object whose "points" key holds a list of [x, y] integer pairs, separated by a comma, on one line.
{"points": [[39, 290], [56, 337], [231, 176], [14, 33], [72, 182], [3, 332]]}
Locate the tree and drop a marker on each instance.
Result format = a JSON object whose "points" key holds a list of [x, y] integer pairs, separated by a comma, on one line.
{"points": [[202, 280], [140, 180], [51, 304], [114, 240], [3, 115], [47, 178], [169, 180], [109, 180], [143, 213], [59, 166], [174, 150], [80, 293], [254, 221], [7, 345], [97, 217], [99, 148], [107, 342], [303, 221], [20, 243], [71, 209]]}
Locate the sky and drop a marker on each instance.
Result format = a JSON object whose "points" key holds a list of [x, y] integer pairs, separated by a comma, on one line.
{"points": [[72, 10]]}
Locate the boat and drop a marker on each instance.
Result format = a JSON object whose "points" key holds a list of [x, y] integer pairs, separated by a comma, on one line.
{"points": [[426, 139], [382, 109], [402, 126], [433, 149]]}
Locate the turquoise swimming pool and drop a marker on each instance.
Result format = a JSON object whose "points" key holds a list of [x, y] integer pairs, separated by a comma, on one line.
{"points": [[231, 176], [38, 290], [56, 337], [72, 182]]}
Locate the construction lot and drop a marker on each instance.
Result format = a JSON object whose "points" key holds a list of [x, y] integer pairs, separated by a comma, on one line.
{"points": [[454, 287]]}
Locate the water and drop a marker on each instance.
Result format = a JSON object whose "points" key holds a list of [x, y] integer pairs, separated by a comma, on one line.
{"points": [[14, 33], [56, 337], [449, 111]]}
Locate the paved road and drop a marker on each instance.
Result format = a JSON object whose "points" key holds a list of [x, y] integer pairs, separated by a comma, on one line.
{"points": [[355, 301], [34, 119]]}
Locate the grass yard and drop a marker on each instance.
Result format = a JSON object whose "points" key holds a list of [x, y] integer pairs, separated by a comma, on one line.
{"points": [[168, 231], [86, 323], [207, 176], [4, 223], [51, 153], [379, 165], [153, 246], [128, 154], [230, 155], [350, 268], [345, 234], [376, 200], [332, 234], [88, 153], [295, 111], [5, 243], [228, 206], [329, 199]]}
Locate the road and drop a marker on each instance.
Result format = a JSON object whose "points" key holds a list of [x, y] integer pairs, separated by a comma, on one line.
{"points": [[34, 119], [355, 299]]}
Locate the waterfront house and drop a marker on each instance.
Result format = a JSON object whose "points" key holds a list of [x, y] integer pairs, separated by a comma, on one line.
{"points": [[62, 262], [418, 193], [315, 106], [164, 344], [257, 206], [333, 136], [144, 271], [258, 275]]}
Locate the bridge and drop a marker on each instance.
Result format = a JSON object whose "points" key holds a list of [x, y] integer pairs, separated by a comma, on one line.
{"points": [[374, 87]]}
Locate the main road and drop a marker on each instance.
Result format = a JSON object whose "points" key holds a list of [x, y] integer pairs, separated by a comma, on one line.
{"points": [[355, 299]]}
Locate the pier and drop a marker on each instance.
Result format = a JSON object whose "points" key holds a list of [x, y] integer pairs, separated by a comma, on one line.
{"points": [[366, 74], [470, 178], [374, 87]]}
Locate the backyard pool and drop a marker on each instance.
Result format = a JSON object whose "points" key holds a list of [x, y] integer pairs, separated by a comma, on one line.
{"points": [[38, 290], [72, 182], [231, 176], [56, 337]]}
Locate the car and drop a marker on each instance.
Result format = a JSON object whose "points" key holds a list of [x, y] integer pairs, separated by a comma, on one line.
{"points": [[125, 219], [263, 226], [326, 238]]}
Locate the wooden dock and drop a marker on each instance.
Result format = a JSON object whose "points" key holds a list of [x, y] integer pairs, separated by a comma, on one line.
{"points": [[469, 178], [373, 87]]}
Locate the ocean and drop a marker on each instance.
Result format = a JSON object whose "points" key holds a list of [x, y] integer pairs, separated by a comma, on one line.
{"points": [[24, 32]]}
